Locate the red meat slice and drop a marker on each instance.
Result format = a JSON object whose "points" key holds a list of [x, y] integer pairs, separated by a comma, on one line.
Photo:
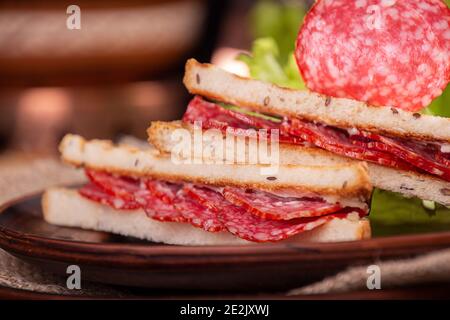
{"points": [[159, 201], [95, 193], [270, 206], [386, 53], [424, 156], [213, 116], [337, 141], [195, 212], [122, 187], [253, 228]]}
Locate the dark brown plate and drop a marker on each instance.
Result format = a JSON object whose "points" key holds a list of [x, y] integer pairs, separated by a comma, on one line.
{"points": [[125, 261]]}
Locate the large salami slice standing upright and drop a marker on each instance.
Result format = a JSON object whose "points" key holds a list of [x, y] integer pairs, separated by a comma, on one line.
{"points": [[383, 52]]}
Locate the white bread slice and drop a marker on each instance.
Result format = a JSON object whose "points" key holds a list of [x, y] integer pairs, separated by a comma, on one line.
{"points": [[408, 183], [349, 180], [212, 82], [65, 207]]}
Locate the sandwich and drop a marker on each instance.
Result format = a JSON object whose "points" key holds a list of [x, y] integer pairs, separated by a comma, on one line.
{"points": [[406, 152], [143, 193]]}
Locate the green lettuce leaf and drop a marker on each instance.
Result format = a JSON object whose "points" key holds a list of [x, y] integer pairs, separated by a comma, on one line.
{"points": [[275, 27], [441, 105], [393, 214], [281, 22], [265, 64]]}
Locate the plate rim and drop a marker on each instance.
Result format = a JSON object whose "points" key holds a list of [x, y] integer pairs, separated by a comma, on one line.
{"points": [[143, 255]]}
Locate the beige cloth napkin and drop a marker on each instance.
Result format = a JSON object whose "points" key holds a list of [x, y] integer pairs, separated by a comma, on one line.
{"points": [[20, 175]]}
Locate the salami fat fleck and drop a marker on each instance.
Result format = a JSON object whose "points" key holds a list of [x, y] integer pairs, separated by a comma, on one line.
{"points": [[384, 52], [270, 206]]}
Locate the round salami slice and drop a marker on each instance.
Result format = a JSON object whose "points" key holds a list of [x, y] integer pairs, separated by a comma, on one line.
{"points": [[95, 193], [253, 228], [270, 206], [384, 52], [195, 213]]}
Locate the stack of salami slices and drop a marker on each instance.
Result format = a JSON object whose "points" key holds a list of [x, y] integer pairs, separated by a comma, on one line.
{"points": [[252, 215]]}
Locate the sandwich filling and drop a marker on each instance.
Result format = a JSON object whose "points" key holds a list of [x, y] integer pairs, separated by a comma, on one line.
{"points": [[252, 215], [412, 155]]}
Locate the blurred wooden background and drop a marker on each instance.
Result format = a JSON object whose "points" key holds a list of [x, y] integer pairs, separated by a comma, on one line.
{"points": [[120, 71]]}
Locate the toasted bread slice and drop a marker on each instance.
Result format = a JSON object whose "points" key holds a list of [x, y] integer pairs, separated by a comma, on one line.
{"points": [[65, 207], [160, 135], [214, 83], [345, 180], [408, 183]]}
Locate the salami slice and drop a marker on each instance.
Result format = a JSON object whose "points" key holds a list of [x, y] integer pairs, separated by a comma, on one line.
{"points": [[426, 157], [207, 197], [253, 228], [270, 206], [159, 201], [384, 52], [337, 141], [166, 191], [97, 194], [122, 187], [197, 214], [213, 116]]}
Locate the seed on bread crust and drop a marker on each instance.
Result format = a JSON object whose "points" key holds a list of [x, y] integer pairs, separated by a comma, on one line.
{"points": [[404, 187]]}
